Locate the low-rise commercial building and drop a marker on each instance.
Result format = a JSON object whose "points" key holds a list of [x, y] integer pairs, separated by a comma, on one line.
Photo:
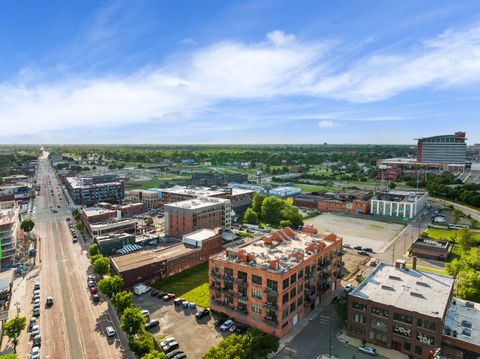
{"points": [[188, 216], [110, 243], [160, 263], [348, 201], [151, 198], [401, 309], [431, 249], [16, 180], [114, 225], [272, 283], [398, 204], [90, 190], [9, 226], [125, 210], [15, 192]]}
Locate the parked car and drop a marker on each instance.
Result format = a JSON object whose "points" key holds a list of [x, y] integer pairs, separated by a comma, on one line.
{"points": [[95, 297], [91, 283], [185, 305], [35, 330], [161, 294], [169, 344], [174, 353], [93, 290], [37, 340], [33, 321], [178, 301], [358, 248], [110, 331], [346, 245], [203, 313], [219, 322], [168, 296], [36, 285], [154, 293], [369, 250], [36, 312], [167, 341], [49, 302], [145, 313], [192, 305], [227, 325], [36, 292], [348, 288], [36, 306], [363, 253], [367, 350], [180, 356], [35, 354], [241, 329], [152, 324]]}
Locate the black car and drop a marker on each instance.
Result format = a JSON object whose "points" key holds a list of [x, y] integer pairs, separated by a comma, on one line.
{"points": [[241, 329], [358, 248], [219, 322], [154, 293], [161, 294], [369, 250], [152, 324], [363, 253], [95, 297], [202, 313], [174, 353]]}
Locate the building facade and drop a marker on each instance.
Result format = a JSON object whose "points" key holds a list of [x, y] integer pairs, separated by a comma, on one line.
{"points": [[402, 205], [90, 190], [448, 149], [9, 226], [274, 282], [188, 216], [400, 309], [349, 202]]}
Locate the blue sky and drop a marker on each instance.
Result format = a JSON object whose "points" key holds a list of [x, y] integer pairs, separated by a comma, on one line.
{"points": [[238, 71]]}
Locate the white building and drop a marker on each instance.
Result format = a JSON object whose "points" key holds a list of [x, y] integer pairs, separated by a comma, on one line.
{"points": [[399, 204]]}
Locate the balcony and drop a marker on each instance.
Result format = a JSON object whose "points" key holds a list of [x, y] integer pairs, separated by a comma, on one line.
{"points": [[272, 321], [270, 292], [270, 305]]}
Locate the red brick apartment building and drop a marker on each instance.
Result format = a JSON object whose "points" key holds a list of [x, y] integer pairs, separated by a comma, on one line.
{"points": [[188, 216], [274, 282]]}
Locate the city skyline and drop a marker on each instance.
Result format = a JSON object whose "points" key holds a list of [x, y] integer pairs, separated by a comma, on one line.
{"points": [[239, 72]]}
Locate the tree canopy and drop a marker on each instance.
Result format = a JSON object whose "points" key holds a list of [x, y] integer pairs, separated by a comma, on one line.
{"points": [[250, 216], [141, 344], [154, 355], [14, 327], [94, 249], [122, 300], [132, 321], [27, 225], [111, 285], [101, 265]]}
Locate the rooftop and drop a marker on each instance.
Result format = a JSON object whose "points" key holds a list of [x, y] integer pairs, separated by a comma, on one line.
{"points": [[201, 202], [145, 257], [432, 243], [462, 320], [95, 211], [396, 195], [412, 290], [9, 216], [194, 191], [77, 182], [200, 235], [280, 251]]}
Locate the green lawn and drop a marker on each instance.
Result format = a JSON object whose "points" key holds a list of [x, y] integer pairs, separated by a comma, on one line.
{"points": [[141, 184], [439, 233], [431, 270], [191, 284]]}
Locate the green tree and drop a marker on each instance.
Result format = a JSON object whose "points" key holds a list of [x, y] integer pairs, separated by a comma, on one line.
{"points": [[469, 285], [9, 356], [27, 225], [101, 266], [132, 321], [456, 216], [94, 249], [76, 214], [149, 221], [95, 257], [80, 226], [111, 285], [141, 344], [392, 185], [257, 202], [14, 327], [122, 300], [261, 344], [285, 223], [272, 210], [250, 216], [155, 355], [293, 215], [465, 239]]}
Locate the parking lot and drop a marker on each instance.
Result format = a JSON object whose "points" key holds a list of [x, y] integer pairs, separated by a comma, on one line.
{"points": [[194, 337], [357, 231]]}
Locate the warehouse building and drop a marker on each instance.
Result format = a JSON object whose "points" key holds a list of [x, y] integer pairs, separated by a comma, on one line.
{"points": [[398, 204]]}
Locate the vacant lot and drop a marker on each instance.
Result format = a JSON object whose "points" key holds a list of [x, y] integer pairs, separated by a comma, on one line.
{"points": [[357, 231], [191, 284]]}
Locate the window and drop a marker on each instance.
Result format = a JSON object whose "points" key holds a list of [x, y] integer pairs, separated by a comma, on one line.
{"points": [[272, 284], [358, 331], [418, 350], [285, 324], [425, 338], [299, 301], [292, 307], [422, 323], [379, 325], [359, 318], [407, 347], [293, 293], [293, 278], [285, 313], [300, 273], [286, 283], [404, 332], [256, 279], [359, 306], [285, 298], [380, 312], [377, 336], [257, 308], [402, 318], [256, 294], [300, 287]]}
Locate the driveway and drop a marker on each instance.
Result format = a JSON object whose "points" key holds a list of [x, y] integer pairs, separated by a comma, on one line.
{"points": [[194, 337]]}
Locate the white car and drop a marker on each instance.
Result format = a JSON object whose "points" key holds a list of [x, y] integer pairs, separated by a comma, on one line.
{"points": [[110, 331], [227, 325], [167, 342], [145, 313], [367, 350], [35, 354], [35, 330], [348, 288]]}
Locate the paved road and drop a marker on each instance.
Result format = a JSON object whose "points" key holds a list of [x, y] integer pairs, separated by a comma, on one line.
{"points": [[74, 327], [314, 340]]}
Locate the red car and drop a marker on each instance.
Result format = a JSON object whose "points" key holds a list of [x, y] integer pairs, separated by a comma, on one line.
{"points": [[93, 290]]}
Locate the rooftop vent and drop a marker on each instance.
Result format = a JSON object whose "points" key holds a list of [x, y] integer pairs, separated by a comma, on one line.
{"points": [[423, 284], [387, 287], [418, 295], [469, 305], [466, 332], [466, 324], [394, 277]]}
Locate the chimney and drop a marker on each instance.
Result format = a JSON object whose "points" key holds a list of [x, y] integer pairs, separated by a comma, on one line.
{"points": [[400, 264], [414, 262]]}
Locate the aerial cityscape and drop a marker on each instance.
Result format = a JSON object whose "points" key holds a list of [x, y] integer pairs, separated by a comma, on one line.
{"points": [[240, 180]]}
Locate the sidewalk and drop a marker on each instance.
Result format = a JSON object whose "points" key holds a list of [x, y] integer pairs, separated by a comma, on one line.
{"points": [[297, 329], [387, 353]]}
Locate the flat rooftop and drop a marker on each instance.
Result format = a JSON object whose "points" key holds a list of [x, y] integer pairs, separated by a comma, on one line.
{"points": [[95, 211], [396, 195], [76, 182], [463, 317], [145, 257], [427, 242], [9, 216], [200, 235], [196, 203], [412, 290], [280, 252], [194, 191], [238, 191]]}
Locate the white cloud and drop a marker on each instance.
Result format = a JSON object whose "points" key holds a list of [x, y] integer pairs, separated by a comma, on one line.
{"points": [[228, 71], [187, 41], [327, 124]]}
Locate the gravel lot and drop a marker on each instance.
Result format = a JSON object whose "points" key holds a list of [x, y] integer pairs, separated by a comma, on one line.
{"points": [[357, 231], [194, 337]]}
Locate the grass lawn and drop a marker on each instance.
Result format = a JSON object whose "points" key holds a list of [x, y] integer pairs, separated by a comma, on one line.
{"points": [[431, 270], [439, 233], [141, 184], [191, 284]]}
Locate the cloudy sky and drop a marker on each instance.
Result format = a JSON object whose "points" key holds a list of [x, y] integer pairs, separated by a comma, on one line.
{"points": [[238, 71]]}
